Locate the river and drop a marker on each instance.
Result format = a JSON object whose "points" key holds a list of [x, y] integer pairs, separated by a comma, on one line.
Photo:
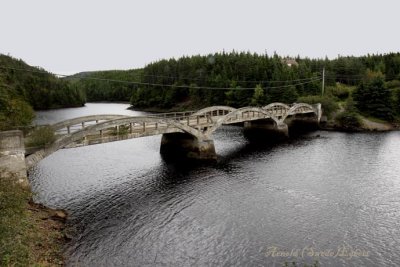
{"points": [[327, 196]]}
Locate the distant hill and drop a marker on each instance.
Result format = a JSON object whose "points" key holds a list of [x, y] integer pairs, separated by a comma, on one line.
{"points": [[189, 82], [41, 89], [98, 89], [24, 88]]}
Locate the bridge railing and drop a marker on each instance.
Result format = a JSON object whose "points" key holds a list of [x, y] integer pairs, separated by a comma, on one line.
{"points": [[204, 121], [190, 118], [173, 115], [186, 117]]}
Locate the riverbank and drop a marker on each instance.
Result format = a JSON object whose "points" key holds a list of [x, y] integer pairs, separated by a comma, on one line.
{"points": [[366, 125], [30, 234]]}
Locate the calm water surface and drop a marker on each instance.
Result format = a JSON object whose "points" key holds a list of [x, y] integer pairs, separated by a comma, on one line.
{"points": [[315, 194], [57, 115]]}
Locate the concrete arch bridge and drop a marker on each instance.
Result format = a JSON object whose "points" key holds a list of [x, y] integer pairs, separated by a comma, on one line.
{"points": [[189, 132]]}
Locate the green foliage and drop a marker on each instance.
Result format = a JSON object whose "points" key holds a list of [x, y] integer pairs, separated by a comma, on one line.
{"points": [[140, 98], [13, 199], [289, 95], [221, 70], [41, 137], [340, 91], [329, 104], [237, 97], [285, 95], [42, 90], [373, 98], [394, 84], [169, 83], [122, 130], [27, 238], [396, 100], [196, 95], [258, 96], [350, 105], [349, 120], [98, 85], [21, 90], [15, 113], [244, 70]]}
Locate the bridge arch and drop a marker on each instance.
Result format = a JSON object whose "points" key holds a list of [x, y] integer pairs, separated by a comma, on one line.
{"points": [[200, 125], [214, 108], [236, 112], [303, 106], [280, 110], [95, 128], [75, 121], [276, 104]]}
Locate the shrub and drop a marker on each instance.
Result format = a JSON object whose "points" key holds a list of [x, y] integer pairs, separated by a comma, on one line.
{"points": [[328, 103], [349, 120], [122, 130], [340, 91], [393, 84], [41, 136], [14, 113]]}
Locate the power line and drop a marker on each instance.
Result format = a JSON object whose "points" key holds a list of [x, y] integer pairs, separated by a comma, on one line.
{"points": [[204, 79], [157, 76], [200, 87], [309, 80]]}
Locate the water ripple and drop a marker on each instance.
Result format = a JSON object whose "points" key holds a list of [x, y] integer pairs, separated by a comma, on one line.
{"points": [[130, 208]]}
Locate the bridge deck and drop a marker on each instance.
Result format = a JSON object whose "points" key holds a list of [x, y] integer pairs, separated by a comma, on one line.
{"points": [[200, 124]]}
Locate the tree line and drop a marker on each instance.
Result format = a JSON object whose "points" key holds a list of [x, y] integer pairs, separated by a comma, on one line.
{"points": [[194, 82], [236, 72], [246, 70], [24, 88], [106, 85], [236, 79]]}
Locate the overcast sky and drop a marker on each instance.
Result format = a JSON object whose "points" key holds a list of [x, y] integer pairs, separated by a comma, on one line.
{"points": [[72, 36]]}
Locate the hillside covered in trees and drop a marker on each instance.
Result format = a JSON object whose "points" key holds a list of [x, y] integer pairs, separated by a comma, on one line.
{"points": [[241, 71], [24, 88], [232, 78], [112, 85], [369, 83]]}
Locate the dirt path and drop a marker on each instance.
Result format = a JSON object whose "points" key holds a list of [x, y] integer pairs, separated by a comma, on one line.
{"points": [[376, 126]]}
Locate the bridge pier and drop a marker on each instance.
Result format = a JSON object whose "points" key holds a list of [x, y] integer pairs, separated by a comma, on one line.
{"points": [[187, 146], [265, 130], [12, 155], [283, 129], [300, 124]]}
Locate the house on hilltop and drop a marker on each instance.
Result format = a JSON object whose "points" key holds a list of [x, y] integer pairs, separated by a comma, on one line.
{"points": [[290, 62]]}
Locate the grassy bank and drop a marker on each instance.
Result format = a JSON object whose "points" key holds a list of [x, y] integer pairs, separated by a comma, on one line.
{"points": [[30, 234]]}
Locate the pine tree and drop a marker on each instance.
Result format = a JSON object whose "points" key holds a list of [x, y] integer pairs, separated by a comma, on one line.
{"points": [[258, 98], [373, 98]]}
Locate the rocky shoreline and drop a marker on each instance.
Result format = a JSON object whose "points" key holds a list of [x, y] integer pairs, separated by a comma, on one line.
{"points": [[367, 126], [51, 236]]}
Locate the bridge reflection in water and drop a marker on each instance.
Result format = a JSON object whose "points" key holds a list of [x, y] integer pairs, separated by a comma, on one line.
{"points": [[189, 132]]}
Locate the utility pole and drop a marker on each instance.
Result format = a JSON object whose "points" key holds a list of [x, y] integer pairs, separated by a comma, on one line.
{"points": [[323, 80]]}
